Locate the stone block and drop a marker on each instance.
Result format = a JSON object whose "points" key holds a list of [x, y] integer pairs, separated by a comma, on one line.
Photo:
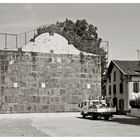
{"points": [[62, 92], [72, 107], [68, 99], [75, 99], [52, 100], [28, 108], [44, 108], [43, 100], [15, 99], [57, 108], [57, 99], [62, 99], [38, 99]]}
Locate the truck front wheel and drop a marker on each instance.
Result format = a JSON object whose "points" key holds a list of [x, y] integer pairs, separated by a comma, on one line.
{"points": [[106, 117], [94, 117], [83, 115]]}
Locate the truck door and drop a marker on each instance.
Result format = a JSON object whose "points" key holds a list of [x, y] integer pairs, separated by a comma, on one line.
{"points": [[85, 107]]}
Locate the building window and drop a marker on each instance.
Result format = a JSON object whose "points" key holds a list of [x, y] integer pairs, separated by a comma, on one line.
{"points": [[109, 78], [114, 76], [109, 89], [135, 87], [114, 89], [121, 87], [121, 76]]}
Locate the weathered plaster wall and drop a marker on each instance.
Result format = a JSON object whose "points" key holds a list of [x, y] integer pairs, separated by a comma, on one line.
{"points": [[119, 95]]}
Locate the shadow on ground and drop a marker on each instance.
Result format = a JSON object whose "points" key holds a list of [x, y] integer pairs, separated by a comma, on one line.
{"points": [[130, 121], [121, 119]]}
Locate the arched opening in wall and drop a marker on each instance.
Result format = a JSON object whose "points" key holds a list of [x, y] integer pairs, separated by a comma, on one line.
{"points": [[121, 104], [115, 102]]}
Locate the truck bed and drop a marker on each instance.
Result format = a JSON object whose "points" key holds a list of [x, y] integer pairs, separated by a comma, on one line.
{"points": [[106, 109], [103, 110]]}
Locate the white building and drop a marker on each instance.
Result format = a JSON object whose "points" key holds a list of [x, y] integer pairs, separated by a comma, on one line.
{"points": [[123, 81]]}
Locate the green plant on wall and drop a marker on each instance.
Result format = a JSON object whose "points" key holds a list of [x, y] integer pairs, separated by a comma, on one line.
{"points": [[33, 54], [82, 35], [81, 57]]}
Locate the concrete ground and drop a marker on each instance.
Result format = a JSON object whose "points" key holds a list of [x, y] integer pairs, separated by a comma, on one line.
{"points": [[67, 124]]}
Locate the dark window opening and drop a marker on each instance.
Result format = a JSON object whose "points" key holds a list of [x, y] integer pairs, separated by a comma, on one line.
{"points": [[115, 102], [121, 104], [110, 79], [114, 76], [121, 77], [109, 89], [121, 87], [114, 89], [136, 87]]}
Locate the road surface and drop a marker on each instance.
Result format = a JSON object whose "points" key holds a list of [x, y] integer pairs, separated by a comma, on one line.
{"points": [[67, 124]]}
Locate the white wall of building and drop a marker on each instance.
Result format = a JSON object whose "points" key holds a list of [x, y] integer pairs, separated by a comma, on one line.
{"points": [[119, 95]]}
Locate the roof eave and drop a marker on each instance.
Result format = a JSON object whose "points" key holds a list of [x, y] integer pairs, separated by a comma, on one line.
{"points": [[119, 68]]}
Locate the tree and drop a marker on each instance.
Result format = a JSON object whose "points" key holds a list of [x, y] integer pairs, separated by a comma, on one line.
{"points": [[82, 35]]}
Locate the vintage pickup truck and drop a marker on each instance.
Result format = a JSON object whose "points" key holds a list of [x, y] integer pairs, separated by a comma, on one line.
{"points": [[96, 109]]}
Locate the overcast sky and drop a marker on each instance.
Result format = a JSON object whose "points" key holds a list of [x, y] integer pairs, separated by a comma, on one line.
{"points": [[117, 23]]}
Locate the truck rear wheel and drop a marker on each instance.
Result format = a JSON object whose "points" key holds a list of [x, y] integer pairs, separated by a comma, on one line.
{"points": [[106, 117], [94, 117]]}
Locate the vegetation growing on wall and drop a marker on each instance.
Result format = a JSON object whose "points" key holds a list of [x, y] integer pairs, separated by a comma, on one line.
{"points": [[81, 34], [4, 63], [81, 58], [33, 54]]}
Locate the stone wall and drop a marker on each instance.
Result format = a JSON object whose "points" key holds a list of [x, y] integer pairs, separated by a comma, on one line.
{"points": [[41, 82], [135, 112]]}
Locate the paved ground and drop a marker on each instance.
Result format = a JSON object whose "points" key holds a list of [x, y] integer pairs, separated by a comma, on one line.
{"points": [[67, 124]]}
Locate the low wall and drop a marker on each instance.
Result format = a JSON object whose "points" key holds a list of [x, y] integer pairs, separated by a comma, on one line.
{"points": [[134, 112]]}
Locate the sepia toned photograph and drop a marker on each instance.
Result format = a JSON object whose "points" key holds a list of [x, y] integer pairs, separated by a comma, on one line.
{"points": [[69, 69]]}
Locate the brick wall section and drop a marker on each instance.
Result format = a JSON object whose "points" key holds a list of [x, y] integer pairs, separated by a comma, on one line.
{"points": [[41, 82]]}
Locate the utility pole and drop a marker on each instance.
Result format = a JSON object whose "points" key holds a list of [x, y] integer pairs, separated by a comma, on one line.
{"points": [[106, 48], [138, 51]]}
